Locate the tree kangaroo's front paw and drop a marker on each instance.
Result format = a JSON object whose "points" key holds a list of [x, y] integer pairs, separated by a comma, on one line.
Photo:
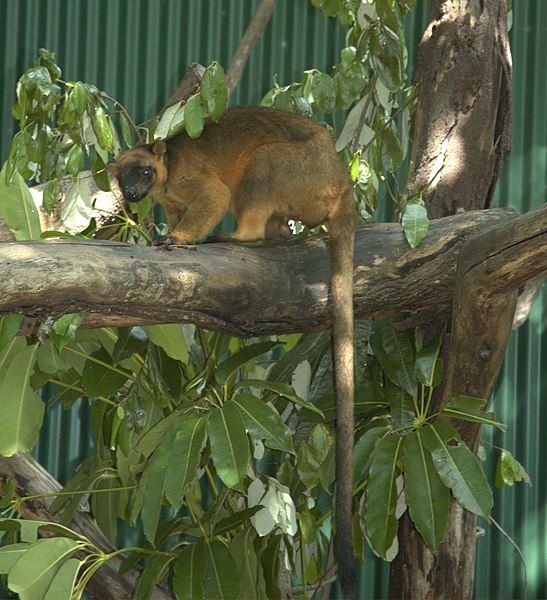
{"points": [[167, 242]]}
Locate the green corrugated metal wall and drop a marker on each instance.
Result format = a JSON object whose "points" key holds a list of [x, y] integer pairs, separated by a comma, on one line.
{"points": [[137, 50]]}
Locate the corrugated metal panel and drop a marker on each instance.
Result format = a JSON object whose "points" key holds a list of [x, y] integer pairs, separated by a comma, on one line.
{"points": [[136, 50]]}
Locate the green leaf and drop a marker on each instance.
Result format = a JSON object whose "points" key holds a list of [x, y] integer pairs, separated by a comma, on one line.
{"points": [[214, 91], [148, 442], [184, 457], [194, 116], [77, 207], [233, 521], [471, 409], [99, 172], [127, 130], [401, 406], [31, 576], [270, 566], [381, 494], [9, 326], [150, 576], [18, 209], [101, 128], [64, 581], [395, 351], [458, 467], [509, 470], [171, 122], [229, 444], [170, 339], [152, 486], [428, 499], [221, 574], [263, 422], [415, 223], [243, 551], [52, 195], [99, 377], [106, 506], [282, 389], [65, 328], [22, 408], [364, 450], [426, 360], [241, 358], [127, 345], [75, 162], [189, 571], [10, 554]]}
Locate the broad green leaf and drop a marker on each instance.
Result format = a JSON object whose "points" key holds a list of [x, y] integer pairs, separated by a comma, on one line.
{"points": [[171, 122], [509, 470], [22, 408], [184, 457], [426, 360], [471, 409], [214, 91], [153, 572], [269, 561], [221, 574], [99, 172], [75, 162], [242, 549], [127, 131], [106, 506], [263, 422], [29, 530], [189, 571], [229, 444], [10, 554], [241, 358], [194, 116], [10, 351], [401, 405], [170, 339], [77, 207], [235, 520], [49, 360], [101, 128], [148, 442], [64, 581], [428, 499], [152, 485], [99, 377], [392, 149], [281, 389], [364, 450], [395, 351], [31, 576], [127, 345], [65, 329], [9, 326], [415, 223], [381, 494], [18, 209], [458, 467]]}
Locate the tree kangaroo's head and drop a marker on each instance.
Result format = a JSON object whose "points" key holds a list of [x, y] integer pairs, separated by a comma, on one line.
{"points": [[141, 170]]}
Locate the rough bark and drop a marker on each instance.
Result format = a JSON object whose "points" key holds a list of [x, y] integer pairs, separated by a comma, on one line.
{"points": [[461, 133], [244, 290], [463, 119], [32, 479]]}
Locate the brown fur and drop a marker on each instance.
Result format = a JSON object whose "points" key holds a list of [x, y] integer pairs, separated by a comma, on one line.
{"points": [[266, 166]]}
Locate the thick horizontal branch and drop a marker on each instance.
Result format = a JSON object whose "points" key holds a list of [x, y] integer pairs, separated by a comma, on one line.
{"points": [[243, 290]]}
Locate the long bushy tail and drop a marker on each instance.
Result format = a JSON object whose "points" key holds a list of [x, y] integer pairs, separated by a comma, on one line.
{"points": [[342, 240]]}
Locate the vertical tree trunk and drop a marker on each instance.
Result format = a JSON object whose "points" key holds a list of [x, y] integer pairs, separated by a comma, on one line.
{"points": [[461, 133]]}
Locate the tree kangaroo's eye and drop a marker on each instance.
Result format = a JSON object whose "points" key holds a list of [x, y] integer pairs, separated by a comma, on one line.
{"points": [[147, 171]]}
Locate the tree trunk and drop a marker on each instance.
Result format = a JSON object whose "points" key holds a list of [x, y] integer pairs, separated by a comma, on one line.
{"points": [[461, 132]]}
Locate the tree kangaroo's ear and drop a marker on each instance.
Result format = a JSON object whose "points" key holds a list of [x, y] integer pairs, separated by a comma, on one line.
{"points": [[159, 147]]}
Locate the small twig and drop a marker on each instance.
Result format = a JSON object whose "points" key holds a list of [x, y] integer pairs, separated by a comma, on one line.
{"points": [[258, 23], [125, 113], [518, 551]]}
